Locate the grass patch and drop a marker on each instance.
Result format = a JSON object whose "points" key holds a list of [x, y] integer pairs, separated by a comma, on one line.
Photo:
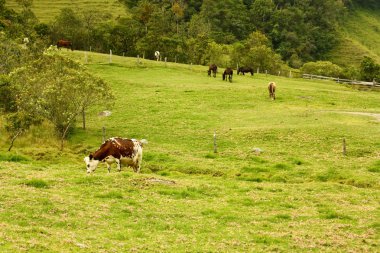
{"points": [[110, 195], [375, 167], [7, 157], [37, 183], [281, 166], [331, 214]]}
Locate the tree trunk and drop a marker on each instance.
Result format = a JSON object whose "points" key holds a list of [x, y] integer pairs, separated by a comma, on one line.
{"points": [[14, 138]]}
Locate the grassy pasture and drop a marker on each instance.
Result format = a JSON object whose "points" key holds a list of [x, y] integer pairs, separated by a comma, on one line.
{"points": [[360, 33], [46, 10], [300, 194]]}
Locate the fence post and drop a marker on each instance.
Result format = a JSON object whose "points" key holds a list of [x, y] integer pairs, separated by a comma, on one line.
{"points": [[258, 70], [85, 57], [344, 147], [165, 61], [104, 134], [266, 73], [110, 56], [215, 145], [138, 59]]}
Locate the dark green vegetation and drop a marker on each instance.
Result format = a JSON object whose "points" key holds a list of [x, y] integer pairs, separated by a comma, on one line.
{"points": [[203, 32], [299, 194]]}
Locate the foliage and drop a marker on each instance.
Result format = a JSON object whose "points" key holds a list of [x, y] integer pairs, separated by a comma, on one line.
{"points": [[369, 70], [57, 89], [324, 68], [229, 19], [256, 52], [300, 31]]}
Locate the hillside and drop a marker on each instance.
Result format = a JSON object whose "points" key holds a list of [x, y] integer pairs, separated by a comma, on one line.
{"points": [[46, 10], [360, 32], [278, 183]]}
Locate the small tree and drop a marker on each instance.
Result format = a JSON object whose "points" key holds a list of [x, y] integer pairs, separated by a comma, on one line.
{"points": [[57, 89]]}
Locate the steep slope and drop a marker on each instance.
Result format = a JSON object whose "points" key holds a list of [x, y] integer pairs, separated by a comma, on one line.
{"points": [[360, 33]]}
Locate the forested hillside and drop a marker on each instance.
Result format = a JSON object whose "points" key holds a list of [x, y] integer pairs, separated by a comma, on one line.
{"points": [[264, 34]]}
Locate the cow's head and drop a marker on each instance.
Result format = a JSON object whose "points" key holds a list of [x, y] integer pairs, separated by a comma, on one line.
{"points": [[91, 163]]}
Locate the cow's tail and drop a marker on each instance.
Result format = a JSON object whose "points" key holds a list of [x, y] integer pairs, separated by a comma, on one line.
{"points": [[143, 142]]}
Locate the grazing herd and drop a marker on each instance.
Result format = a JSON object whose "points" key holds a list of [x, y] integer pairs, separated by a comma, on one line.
{"points": [[228, 73], [129, 151]]}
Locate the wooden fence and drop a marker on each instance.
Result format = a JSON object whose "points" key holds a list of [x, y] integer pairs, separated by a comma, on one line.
{"points": [[339, 80]]}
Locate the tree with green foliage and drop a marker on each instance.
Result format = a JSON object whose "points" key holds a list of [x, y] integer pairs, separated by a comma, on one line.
{"points": [[57, 89], [229, 20], [261, 12], [323, 68], [369, 70], [67, 25], [196, 49], [256, 52], [218, 54]]}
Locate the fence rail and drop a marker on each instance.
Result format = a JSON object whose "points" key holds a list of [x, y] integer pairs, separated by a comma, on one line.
{"points": [[339, 80]]}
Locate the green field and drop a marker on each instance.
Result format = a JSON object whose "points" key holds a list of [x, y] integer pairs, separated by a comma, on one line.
{"points": [[46, 10], [300, 194]]}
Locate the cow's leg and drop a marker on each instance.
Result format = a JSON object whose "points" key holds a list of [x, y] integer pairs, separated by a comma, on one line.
{"points": [[109, 167], [118, 164]]}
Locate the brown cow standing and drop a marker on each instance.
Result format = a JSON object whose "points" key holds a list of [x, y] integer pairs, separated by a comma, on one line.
{"points": [[272, 90], [65, 43]]}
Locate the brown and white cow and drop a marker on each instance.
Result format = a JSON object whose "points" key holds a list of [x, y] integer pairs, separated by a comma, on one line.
{"points": [[119, 150]]}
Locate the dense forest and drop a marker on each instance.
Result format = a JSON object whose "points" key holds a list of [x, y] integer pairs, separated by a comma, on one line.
{"points": [[264, 34]]}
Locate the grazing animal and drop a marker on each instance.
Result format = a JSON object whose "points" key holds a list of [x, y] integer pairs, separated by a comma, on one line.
{"points": [[245, 70], [119, 150], [228, 72], [272, 90], [65, 43], [212, 68], [157, 55]]}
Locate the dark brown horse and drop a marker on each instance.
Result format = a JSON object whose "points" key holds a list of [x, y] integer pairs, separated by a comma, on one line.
{"points": [[65, 43], [212, 68], [228, 72], [272, 90], [245, 70]]}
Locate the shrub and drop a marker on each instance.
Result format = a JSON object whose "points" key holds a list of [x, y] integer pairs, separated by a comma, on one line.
{"points": [[324, 68]]}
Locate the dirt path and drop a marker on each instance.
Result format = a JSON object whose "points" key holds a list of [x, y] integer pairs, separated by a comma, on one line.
{"points": [[374, 115]]}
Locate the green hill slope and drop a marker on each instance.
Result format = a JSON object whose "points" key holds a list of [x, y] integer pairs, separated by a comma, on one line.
{"points": [[360, 37], [46, 10], [300, 194]]}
